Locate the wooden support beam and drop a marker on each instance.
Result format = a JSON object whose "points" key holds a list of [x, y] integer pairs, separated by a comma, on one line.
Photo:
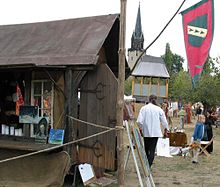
{"points": [[27, 100], [132, 86], [150, 87], [120, 93], [68, 90], [141, 87], [167, 86], [158, 87]]}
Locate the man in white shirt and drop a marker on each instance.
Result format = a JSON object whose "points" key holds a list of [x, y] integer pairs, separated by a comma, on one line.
{"points": [[149, 120]]}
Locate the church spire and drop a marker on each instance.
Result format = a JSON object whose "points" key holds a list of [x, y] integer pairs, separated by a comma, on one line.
{"points": [[137, 40], [138, 27]]}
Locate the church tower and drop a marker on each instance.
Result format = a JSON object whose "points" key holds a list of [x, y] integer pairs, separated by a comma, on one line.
{"points": [[137, 41]]}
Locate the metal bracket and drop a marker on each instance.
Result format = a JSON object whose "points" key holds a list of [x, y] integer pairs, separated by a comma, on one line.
{"points": [[96, 148], [99, 91]]}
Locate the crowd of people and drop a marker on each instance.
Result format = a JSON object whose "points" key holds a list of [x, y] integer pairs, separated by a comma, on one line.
{"points": [[152, 115]]}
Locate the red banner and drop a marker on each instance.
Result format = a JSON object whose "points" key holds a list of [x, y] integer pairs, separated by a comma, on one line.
{"points": [[198, 27]]}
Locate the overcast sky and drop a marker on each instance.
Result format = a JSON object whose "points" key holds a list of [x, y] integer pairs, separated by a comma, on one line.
{"points": [[154, 14]]}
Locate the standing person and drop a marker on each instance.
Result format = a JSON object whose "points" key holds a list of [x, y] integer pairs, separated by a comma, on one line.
{"points": [[149, 119], [198, 111], [189, 113], [170, 115], [182, 114], [214, 115], [164, 107], [208, 127]]}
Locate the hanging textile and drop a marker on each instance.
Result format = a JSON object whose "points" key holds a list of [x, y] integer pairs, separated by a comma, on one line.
{"points": [[19, 101], [198, 27]]}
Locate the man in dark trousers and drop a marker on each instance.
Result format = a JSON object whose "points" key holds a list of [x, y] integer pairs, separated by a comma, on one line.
{"points": [[149, 119]]}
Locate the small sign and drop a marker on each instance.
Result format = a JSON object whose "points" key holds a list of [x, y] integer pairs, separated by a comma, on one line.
{"points": [[87, 173], [56, 136]]}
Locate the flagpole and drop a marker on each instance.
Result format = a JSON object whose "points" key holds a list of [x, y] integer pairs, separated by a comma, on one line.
{"points": [[120, 93]]}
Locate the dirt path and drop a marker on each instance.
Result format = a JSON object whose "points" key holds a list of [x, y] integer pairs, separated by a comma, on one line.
{"points": [[180, 171], [177, 171]]}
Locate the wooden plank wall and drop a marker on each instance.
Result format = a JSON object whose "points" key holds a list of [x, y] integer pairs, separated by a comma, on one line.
{"points": [[98, 105]]}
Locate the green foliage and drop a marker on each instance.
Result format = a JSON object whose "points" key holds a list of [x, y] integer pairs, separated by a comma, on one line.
{"points": [[128, 85], [213, 64], [177, 65], [180, 81], [168, 58], [174, 62], [210, 66], [207, 90], [180, 86]]}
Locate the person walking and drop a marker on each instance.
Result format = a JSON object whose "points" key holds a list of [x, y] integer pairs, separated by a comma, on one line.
{"points": [[149, 119]]}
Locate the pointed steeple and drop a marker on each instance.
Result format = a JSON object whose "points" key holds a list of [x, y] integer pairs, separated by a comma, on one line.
{"points": [[138, 27], [137, 40]]}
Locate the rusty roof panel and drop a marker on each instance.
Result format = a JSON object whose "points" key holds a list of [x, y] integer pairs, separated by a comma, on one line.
{"points": [[63, 42]]}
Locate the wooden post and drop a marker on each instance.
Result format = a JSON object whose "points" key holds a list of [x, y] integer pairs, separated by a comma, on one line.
{"points": [[150, 87], [27, 98], [132, 87], [68, 90], [120, 94], [141, 87], [167, 86], [158, 87]]}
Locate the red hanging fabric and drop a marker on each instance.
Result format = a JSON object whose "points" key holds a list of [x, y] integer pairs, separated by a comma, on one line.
{"points": [[19, 101], [198, 27]]}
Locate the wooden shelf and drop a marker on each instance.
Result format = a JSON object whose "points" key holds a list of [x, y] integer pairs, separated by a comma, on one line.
{"points": [[21, 143]]}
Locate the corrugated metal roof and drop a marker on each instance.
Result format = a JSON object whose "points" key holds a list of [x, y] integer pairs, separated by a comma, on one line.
{"points": [[151, 66], [63, 42]]}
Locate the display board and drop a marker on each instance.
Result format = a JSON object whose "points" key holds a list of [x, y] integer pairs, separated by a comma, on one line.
{"points": [[141, 153], [56, 136], [28, 114], [87, 173], [131, 149]]}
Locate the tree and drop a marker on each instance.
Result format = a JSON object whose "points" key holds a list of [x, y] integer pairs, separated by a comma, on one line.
{"points": [[168, 58], [178, 79], [128, 85], [211, 66], [207, 91], [180, 86], [174, 62], [177, 65]]}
